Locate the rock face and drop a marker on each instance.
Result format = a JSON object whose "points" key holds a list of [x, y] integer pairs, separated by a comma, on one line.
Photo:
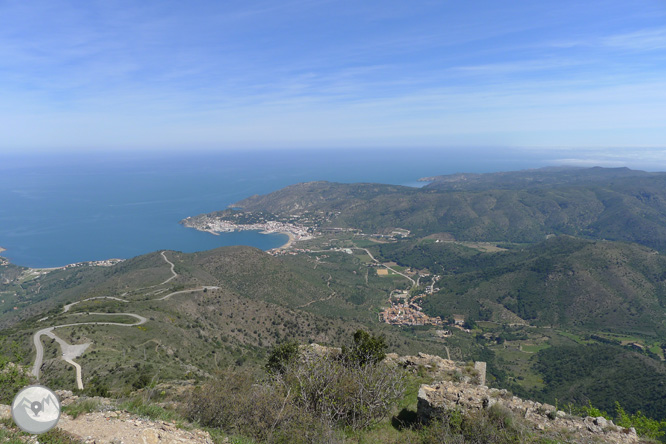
{"points": [[440, 368], [436, 399]]}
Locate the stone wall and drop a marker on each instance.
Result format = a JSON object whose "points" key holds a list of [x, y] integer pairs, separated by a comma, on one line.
{"points": [[441, 369], [435, 399]]}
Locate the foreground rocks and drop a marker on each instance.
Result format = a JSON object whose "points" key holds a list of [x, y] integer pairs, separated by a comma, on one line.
{"points": [[441, 369], [117, 426], [120, 427], [434, 400]]}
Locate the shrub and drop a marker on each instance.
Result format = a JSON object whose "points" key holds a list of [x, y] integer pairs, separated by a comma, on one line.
{"points": [[348, 393], [12, 377], [302, 401], [496, 425], [140, 407], [82, 406], [590, 410], [235, 404], [645, 427], [365, 349], [281, 356]]}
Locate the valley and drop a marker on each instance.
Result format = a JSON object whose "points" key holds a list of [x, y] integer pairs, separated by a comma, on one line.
{"points": [[521, 307]]}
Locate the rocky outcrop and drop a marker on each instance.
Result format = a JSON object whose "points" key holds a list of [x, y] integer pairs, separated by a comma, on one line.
{"points": [[434, 400], [441, 369]]}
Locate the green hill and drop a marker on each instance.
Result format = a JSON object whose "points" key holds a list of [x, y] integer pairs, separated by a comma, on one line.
{"points": [[596, 203], [252, 302], [561, 282], [603, 374]]}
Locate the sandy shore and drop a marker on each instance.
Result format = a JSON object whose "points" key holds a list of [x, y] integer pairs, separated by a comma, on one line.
{"points": [[290, 241], [2, 249]]}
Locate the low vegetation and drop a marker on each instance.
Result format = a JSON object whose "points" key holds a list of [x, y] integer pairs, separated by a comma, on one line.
{"points": [[311, 394], [10, 434], [12, 376]]}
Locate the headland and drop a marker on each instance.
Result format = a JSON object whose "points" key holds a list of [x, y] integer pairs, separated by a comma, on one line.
{"points": [[216, 225]]}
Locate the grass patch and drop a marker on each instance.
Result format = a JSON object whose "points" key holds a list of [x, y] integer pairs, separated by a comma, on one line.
{"points": [[657, 350], [534, 348], [12, 435], [82, 406], [139, 407], [577, 339]]}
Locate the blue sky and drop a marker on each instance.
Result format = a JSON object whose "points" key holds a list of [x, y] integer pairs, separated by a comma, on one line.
{"points": [[105, 75]]}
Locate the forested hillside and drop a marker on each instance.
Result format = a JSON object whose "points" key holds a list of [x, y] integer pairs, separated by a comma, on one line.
{"points": [[617, 205]]}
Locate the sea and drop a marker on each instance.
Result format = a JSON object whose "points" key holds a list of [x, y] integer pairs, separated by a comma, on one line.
{"points": [[59, 208]]}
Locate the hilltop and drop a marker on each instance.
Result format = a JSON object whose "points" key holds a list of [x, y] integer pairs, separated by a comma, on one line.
{"points": [[597, 203]]}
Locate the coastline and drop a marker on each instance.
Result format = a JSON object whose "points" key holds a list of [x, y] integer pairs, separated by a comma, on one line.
{"points": [[216, 226], [2, 249], [289, 243]]}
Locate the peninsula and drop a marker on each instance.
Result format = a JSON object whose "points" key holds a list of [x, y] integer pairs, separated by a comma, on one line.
{"points": [[216, 224]]}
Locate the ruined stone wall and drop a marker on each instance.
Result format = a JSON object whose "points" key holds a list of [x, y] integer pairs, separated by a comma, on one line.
{"points": [[441, 369], [435, 399]]}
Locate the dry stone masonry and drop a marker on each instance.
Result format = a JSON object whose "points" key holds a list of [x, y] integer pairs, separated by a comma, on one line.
{"points": [[434, 400]]}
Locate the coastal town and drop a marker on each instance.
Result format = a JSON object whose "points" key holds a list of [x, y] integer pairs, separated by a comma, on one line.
{"points": [[216, 225], [102, 263]]}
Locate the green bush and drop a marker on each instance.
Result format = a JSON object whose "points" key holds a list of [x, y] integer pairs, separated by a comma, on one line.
{"points": [[81, 406], [645, 427], [12, 377], [365, 349], [306, 399], [281, 356], [234, 403], [496, 425], [355, 394], [140, 407]]}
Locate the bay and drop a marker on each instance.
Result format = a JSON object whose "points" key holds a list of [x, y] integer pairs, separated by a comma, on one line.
{"points": [[62, 208]]}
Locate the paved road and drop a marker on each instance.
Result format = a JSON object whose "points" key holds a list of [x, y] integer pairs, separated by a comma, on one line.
{"points": [[72, 351]]}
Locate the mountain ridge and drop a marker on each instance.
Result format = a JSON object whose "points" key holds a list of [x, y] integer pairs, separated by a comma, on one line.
{"points": [[616, 207]]}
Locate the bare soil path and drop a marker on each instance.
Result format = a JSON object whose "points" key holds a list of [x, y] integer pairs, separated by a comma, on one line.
{"points": [[72, 351]]}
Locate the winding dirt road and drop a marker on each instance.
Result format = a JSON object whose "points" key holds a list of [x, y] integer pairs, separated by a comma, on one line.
{"points": [[175, 275], [72, 351]]}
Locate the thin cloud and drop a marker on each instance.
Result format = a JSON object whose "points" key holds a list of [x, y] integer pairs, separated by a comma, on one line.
{"points": [[645, 40], [642, 40]]}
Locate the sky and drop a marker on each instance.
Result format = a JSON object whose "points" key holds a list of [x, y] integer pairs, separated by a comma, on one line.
{"points": [[122, 75]]}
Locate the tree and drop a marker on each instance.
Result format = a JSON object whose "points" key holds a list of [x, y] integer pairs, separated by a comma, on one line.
{"points": [[281, 357], [366, 349]]}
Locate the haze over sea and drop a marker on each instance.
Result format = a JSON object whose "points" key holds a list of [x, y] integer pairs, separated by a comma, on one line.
{"points": [[67, 208]]}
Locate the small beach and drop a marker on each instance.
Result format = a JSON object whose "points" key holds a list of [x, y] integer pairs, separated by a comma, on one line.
{"points": [[290, 241]]}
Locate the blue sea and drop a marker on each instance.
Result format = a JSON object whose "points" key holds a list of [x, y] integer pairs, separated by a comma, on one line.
{"points": [[57, 209]]}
